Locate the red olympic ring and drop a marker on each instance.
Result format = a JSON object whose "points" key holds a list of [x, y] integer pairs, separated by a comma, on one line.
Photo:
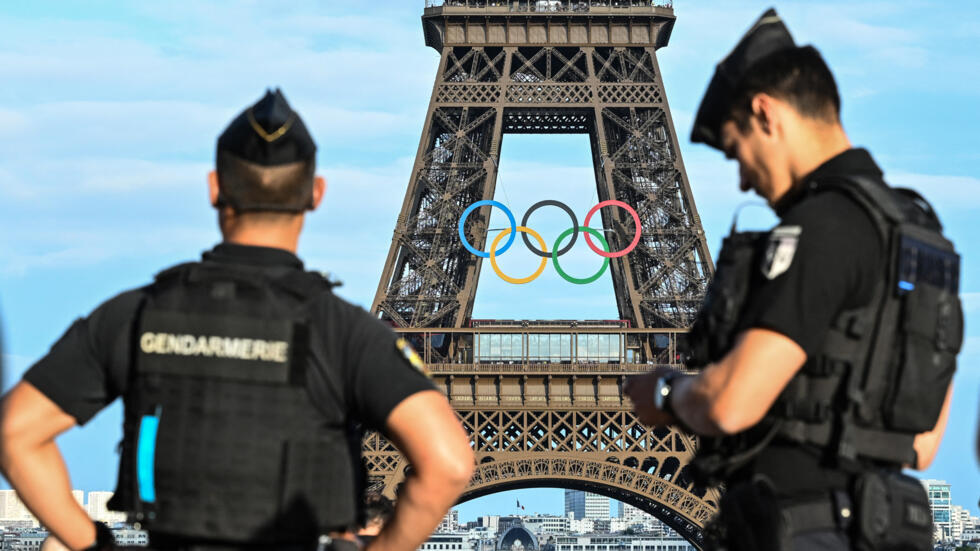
{"points": [[636, 220]]}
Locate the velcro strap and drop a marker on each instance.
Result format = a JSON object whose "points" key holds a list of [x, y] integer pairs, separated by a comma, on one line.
{"points": [[810, 516], [867, 443]]}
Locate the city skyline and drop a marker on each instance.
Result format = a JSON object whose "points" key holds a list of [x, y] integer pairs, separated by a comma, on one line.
{"points": [[71, 153]]}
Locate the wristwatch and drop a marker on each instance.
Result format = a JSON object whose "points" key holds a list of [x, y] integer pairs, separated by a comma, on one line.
{"points": [[663, 394]]}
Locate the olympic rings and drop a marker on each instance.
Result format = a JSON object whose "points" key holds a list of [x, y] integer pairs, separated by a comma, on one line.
{"points": [[514, 229], [577, 281], [563, 207], [636, 220], [505, 277], [476, 205]]}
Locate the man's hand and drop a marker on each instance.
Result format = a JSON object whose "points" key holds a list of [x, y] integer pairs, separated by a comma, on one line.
{"points": [[640, 390]]}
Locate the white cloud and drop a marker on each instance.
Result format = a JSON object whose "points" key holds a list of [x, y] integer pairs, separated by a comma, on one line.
{"points": [[29, 252]]}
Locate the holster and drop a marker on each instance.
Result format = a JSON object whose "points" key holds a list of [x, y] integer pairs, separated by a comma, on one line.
{"points": [[892, 513]]}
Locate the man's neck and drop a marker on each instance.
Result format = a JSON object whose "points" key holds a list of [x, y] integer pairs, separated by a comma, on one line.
{"points": [[814, 147], [261, 233]]}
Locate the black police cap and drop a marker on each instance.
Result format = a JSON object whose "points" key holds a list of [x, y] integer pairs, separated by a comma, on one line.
{"points": [[268, 133], [266, 159], [768, 36]]}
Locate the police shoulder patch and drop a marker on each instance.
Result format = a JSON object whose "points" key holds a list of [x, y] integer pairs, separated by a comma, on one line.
{"points": [[411, 356], [780, 250]]}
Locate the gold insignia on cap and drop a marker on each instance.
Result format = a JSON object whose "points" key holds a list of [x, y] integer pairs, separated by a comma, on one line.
{"points": [[411, 356], [270, 136]]}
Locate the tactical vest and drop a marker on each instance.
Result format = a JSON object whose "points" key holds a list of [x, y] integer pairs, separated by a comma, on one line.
{"points": [[221, 438], [883, 371]]}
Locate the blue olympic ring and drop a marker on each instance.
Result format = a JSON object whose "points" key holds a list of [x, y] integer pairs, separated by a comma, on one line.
{"points": [[476, 205]]}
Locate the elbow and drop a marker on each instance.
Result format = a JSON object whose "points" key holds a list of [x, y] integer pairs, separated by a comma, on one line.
{"points": [[451, 470], [458, 469], [728, 418], [926, 446]]}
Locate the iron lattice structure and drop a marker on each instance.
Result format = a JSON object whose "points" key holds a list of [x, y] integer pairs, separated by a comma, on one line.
{"points": [[580, 67]]}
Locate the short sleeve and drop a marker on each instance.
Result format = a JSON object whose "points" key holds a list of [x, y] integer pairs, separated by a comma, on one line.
{"points": [[822, 259], [379, 371], [87, 368]]}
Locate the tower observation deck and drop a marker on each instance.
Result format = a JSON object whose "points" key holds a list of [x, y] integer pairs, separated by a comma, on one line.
{"points": [[522, 22]]}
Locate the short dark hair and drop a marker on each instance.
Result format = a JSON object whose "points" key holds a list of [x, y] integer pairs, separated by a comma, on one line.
{"points": [[798, 76], [377, 508], [249, 187]]}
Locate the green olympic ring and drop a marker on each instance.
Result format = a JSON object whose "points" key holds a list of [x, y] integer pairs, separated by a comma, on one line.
{"points": [[587, 280]]}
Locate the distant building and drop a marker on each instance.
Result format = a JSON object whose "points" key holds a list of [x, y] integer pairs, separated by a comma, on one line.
{"points": [[585, 505], [448, 542], [632, 518], [547, 524], [609, 542], [130, 537], [516, 538], [490, 522], [450, 522], [941, 505], [24, 541], [13, 512], [581, 525]]}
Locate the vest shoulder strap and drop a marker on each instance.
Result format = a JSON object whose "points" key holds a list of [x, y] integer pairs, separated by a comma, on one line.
{"points": [[875, 197]]}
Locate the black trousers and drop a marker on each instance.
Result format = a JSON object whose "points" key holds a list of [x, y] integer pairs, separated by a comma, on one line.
{"points": [[169, 543], [824, 540]]}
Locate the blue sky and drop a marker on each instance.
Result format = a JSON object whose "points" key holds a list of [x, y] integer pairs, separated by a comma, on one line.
{"points": [[109, 111]]}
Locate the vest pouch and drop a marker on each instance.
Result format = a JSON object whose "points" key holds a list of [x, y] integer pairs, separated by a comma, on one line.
{"points": [[713, 332], [892, 513], [931, 331], [325, 465]]}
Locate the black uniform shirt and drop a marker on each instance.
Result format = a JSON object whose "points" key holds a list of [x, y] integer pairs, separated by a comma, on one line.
{"points": [[837, 261], [89, 366]]}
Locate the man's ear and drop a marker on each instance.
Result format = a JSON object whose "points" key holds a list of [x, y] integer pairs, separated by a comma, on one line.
{"points": [[764, 112], [213, 189], [319, 189]]}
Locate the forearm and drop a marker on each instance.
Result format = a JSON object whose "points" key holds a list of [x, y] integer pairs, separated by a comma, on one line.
{"points": [[422, 504], [693, 400], [39, 475], [927, 444], [735, 393]]}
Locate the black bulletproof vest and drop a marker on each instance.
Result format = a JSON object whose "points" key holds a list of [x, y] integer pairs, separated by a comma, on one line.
{"points": [[221, 438], [882, 374]]}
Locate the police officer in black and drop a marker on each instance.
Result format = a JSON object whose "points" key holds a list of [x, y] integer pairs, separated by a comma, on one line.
{"points": [[246, 384], [826, 346]]}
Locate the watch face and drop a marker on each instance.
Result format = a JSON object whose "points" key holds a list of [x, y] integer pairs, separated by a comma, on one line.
{"points": [[660, 395]]}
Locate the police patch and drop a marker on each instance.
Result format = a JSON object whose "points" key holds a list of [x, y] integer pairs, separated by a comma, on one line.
{"points": [[780, 250], [411, 356]]}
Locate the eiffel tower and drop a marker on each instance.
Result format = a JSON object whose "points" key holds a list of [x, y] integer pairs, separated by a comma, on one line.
{"points": [[542, 400]]}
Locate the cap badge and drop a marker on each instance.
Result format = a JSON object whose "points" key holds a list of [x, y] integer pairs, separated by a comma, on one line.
{"points": [[270, 136]]}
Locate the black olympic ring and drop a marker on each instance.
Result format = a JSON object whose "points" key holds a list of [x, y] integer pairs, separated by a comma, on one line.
{"points": [[550, 203]]}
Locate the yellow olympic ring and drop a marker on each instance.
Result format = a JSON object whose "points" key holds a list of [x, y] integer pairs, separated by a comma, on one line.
{"points": [[505, 277]]}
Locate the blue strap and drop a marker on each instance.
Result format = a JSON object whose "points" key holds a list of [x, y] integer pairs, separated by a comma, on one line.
{"points": [[146, 446]]}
